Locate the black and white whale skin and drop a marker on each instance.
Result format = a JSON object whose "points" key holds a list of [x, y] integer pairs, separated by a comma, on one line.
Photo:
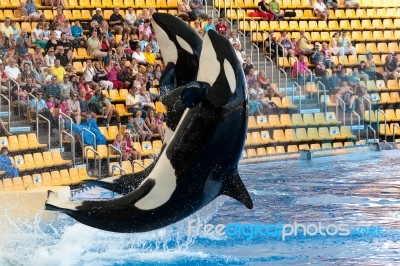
{"points": [[197, 165], [180, 46]]}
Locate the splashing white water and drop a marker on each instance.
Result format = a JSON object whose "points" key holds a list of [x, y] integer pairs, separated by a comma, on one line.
{"points": [[66, 242]]}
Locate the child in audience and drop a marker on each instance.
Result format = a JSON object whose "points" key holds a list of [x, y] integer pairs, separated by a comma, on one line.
{"points": [[127, 146], [152, 124], [144, 130], [132, 127], [120, 144], [51, 105]]}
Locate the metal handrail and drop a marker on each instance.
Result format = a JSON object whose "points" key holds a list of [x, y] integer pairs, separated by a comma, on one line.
{"points": [[18, 90], [238, 21], [278, 45], [394, 126], [60, 117], [83, 140], [258, 54], [48, 128], [251, 47], [134, 162], [244, 31], [297, 67], [378, 121], [359, 123], [230, 4], [286, 79], [297, 85], [206, 4], [9, 109], [343, 104], [37, 111], [325, 105], [368, 126], [108, 154], [311, 79], [72, 145], [117, 167], [96, 154], [370, 108]]}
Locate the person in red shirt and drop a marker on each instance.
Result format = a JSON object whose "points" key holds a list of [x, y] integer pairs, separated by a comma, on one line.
{"points": [[221, 28]]}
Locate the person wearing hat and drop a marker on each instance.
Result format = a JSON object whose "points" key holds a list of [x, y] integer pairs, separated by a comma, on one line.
{"points": [[66, 87], [97, 16], [26, 59]]}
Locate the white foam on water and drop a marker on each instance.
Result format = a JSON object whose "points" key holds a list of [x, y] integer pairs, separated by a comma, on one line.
{"points": [[67, 242]]}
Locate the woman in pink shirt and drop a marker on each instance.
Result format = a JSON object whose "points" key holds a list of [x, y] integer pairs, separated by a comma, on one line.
{"points": [[112, 71]]}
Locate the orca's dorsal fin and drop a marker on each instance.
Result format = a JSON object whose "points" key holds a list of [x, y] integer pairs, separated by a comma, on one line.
{"points": [[234, 188]]}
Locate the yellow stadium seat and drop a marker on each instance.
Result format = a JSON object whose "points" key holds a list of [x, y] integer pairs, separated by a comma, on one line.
{"points": [[28, 182], [104, 131], [248, 141], [83, 175], [252, 123], [13, 144], [313, 133], [160, 108], [74, 176], [320, 119], [261, 152], [302, 134], [8, 184], [19, 162], [157, 146], [33, 141], [292, 149], [304, 147], [350, 14], [18, 184], [337, 145], [309, 120], [121, 108], [297, 120], [113, 132], [280, 149], [43, 180], [273, 121], [271, 151], [326, 146], [345, 131], [324, 133], [56, 178], [357, 35], [279, 136], [251, 153], [256, 138], [315, 146], [57, 158], [65, 178], [266, 138], [391, 115], [29, 162], [285, 120], [290, 135], [147, 148]]}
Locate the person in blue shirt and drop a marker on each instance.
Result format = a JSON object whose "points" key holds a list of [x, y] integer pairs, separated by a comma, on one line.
{"points": [[6, 164], [209, 26], [77, 33]]}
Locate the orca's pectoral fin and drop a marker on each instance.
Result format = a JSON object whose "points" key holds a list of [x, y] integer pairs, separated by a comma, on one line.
{"points": [[167, 79], [234, 188], [193, 93]]}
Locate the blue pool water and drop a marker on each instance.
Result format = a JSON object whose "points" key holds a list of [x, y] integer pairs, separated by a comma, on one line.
{"points": [[357, 190]]}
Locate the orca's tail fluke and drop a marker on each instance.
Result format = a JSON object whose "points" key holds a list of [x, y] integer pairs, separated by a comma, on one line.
{"points": [[234, 188]]}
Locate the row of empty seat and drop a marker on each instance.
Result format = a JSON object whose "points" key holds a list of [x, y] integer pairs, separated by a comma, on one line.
{"points": [[299, 135], [29, 162], [128, 167], [294, 120], [21, 142], [63, 177], [280, 150]]}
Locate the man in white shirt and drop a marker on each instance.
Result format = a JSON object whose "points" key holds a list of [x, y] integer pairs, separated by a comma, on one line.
{"points": [[321, 10], [133, 102], [6, 27], [130, 18], [12, 71], [238, 53]]}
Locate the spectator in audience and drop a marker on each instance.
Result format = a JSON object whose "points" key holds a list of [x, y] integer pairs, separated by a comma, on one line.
{"points": [[327, 56], [234, 39], [75, 107], [209, 26], [197, 27], [101, 77], [46, 31], [12, 71], [65, 43], [83, 101], [6, 28], [139, 56], [26, 74], [345, 45], [54, 89], [37, 36], [128, 147], [285, 41], [238, 53], [112, 71], [6, 164], [133, 102], [58, 70], [42, 109], [131, 127], [143, 42], [351, 3], [321, 10], [37, 55], [109, 111], [300, 71], [4, 89], [23, 12], [221, 27], [391, 67], [149, 55], [263, 11], [197, 8], [141, 126], [130, 19], [51, 104], [94, 46], [63, 106], [185, 11], [50, 58], [362, 70], [303, 43], [117, 21], [275, 10], [60, 17], [151, 122], [20, 98], [11, 54], [251, 78], [247, 65], [23, 43], [347, 95], [361, 92], [64, 56], [97, 16], [257, 95], [331, 4], [120, 145], [52, 42], [145, 29], [77, 33], [66, 87], [316, 54]]}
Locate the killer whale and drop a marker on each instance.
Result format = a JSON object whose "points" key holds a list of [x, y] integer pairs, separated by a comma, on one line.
{"points": [[180, 46], [197, 165]]}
